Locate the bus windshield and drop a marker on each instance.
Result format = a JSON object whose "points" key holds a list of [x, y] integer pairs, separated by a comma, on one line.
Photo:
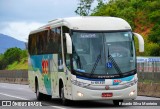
{"points": [[104, 53]]}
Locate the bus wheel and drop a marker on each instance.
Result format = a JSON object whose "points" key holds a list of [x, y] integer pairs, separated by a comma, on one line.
{"points": [[116, 102], [38, 94], [64, 100]]}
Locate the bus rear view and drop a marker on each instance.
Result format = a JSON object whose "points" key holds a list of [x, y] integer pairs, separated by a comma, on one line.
{"points": [[98, 59]]}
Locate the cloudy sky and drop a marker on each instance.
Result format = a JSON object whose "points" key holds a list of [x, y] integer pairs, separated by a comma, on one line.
{"points": [[19, 17]]}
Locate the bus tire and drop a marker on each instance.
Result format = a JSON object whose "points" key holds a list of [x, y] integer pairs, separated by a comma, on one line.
{"points": [[63, 99], [38, 94], [116, 102]]}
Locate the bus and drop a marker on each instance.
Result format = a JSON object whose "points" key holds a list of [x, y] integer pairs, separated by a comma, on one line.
{"points": [[84, 58]]}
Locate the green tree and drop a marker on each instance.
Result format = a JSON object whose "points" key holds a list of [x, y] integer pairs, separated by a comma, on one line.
{"points": [[154, 35], [24, 53], [152, 49], [84, 7], [142, 15], [12, 54], [3, 62], [155, 16], [100, 4]]}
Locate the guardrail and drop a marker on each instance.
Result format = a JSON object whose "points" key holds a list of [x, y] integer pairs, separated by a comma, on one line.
{"points": [[144, 89], [148, 64], [21, 76], [14, 76], [152, 89], [153, 77]]}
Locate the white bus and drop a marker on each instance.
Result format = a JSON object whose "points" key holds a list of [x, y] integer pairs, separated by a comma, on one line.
{"points": [[84, 58]]}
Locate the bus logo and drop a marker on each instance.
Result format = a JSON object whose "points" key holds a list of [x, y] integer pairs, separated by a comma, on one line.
{"points": [[44, 66], [117, 81], [107, 87]]}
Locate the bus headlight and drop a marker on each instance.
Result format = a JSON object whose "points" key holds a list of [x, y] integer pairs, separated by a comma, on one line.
{"points": [[80, 84], [132, 93], [80, 94]]}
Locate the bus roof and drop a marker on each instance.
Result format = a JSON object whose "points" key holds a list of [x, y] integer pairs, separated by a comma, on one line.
{"points": [[91, 23]]}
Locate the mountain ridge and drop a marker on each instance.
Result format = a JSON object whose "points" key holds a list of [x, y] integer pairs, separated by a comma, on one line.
{"points": [[10, 42]]}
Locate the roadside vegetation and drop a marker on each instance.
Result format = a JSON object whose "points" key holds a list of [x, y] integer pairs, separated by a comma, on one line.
{"points": [[142, 15], [13, 59]]}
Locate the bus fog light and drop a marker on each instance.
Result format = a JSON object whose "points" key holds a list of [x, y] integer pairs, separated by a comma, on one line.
{"points": [[132, 93], [80, 94]]}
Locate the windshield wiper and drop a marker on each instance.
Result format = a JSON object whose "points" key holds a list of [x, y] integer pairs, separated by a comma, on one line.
{"points": [[115, 64], [77, 58], [95, 64]]}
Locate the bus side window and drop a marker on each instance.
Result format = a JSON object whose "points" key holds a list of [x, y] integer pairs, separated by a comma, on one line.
{"points": [[30, 45], [67, 59], [60, 63], [58, 49], [33, 45]]}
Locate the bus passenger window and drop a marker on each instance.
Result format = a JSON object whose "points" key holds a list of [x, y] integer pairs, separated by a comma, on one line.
{"points": [[67, 57], [60, 63]]}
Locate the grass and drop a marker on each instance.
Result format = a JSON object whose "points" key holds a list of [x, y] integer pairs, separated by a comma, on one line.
{"points": [[23, 64]]}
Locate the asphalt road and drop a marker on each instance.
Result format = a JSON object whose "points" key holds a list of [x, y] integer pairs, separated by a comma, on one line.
{"points": [[22, 92]]}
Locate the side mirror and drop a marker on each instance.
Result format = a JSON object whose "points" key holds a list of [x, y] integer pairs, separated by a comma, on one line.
{"points": [[68, 43], [140, 41]]}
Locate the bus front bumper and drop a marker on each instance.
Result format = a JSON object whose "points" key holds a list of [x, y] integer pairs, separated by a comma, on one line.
{"points": [[80, 93]]}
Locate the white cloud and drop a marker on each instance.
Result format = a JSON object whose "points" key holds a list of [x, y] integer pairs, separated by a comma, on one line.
{"points": [[19, 30], [36, 10], [19, 17]]}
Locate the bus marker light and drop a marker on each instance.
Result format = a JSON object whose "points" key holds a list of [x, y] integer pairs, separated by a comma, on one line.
{"points": [[107, 94], [48, 28]]}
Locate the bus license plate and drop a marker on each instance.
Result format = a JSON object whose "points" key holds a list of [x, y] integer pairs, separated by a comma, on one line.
{"points": [[107, 94]]}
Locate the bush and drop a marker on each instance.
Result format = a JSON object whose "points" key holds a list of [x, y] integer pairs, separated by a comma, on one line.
{"points": [[154, 36], [142, 15], [24, 53], [152, 49], [155, 16], [3, 62], [10, 56]]}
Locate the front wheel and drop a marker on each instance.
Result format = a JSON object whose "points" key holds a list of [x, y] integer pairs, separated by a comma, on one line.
{"points": [[117, 102], [64, 100]]}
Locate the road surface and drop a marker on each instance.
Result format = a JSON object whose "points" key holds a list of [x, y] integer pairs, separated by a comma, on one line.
{"points": [[22, 92]]}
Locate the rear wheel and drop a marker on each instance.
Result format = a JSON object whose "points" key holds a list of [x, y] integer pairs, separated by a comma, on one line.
{"points": [[38, 94], [116, 102]]}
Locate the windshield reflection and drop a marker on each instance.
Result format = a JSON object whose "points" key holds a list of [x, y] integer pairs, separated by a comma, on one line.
{"points": [[91, 52]]}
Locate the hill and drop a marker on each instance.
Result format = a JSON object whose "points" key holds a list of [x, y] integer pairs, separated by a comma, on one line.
{"points": [[23, 64], [9, 42], [142, 15], [14, 58]]}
